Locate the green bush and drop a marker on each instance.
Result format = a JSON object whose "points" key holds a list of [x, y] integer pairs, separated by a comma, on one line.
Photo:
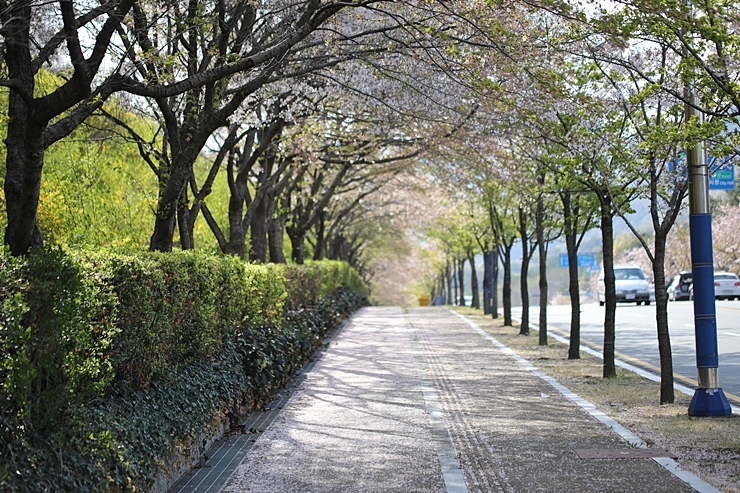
{"points": [[56, 335], [112, 363], [57, 332], [308, 283], [180, 306]]}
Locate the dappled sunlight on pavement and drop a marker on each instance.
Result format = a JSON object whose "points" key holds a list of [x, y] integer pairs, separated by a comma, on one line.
{"points": [[421, 402]]}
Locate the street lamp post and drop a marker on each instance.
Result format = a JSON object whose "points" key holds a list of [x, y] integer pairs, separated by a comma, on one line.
{"points": [[708, 399]]}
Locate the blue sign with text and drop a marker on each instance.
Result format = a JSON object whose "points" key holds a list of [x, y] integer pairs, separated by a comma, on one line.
{"points": [[584, 260], [721, 171], [722, 175]]}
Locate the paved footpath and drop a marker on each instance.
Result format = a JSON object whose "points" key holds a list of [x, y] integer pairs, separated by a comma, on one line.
{"points": [[421, 401]]}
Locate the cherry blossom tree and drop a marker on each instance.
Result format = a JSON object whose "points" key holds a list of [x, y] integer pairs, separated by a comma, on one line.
{"points": [[658, 131], [704, 36], [196, 61], [726, 238], [292, 33]]}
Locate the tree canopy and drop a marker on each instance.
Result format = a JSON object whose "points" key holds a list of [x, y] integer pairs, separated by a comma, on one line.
{"points": [[285, 131]]}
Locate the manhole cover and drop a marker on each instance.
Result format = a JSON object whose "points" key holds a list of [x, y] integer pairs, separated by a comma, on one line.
{"points": [[631, 453]]}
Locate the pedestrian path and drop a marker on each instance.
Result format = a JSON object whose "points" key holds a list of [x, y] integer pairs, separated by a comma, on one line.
{"points": [[424, 401]]}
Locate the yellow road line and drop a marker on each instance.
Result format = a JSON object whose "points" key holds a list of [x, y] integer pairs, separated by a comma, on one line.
{"points": [[638, 362], [727, 308]]}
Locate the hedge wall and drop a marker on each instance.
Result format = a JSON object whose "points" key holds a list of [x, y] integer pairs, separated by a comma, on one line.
{"points": [[115, 369]]}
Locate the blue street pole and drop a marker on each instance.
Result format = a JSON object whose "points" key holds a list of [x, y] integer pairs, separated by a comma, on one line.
{"points": [[709, 399]]}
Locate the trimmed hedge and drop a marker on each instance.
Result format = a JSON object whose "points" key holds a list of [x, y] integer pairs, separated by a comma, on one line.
{"points": [[177, 307], [116, 371]]}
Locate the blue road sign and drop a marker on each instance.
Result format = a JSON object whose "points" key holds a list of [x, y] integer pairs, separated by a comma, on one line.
{"points": [[563, 260], [584, 260], [721, 171], [722, 174]]}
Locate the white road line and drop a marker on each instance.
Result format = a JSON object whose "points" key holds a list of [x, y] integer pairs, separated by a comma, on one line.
{"points": [[694, 481], [731, 334], [448, 460]]}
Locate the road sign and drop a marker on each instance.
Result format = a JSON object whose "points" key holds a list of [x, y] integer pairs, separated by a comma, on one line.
{"points": [[721, 171], [722, 175], [563, 260], [584, 260]]}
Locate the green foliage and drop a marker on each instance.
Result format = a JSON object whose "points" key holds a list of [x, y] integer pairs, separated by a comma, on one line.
{"points": [[266, 294], [179, 306], [96, 190], [112, 365], [311, 281], [57, 333]]}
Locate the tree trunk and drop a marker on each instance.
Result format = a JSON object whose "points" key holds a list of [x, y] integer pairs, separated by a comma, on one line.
{"points": [[661, 317], [258, 232], [573, 287], [275, 235], [524, 287], [494, 287], [607, 241], [24, 161], [170, 195], [475, 303], [335, 249], [164, 226], [442, 289], [24, 142], [507, 286], [542, 253], [318, 252], [297, 243], [237, 232], [185, 224], [448, 276], [455, 294], [523, 282], [486, 282], [461, 276]]}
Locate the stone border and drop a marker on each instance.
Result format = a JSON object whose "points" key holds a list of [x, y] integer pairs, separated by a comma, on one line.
{"points": [[223, 457]]}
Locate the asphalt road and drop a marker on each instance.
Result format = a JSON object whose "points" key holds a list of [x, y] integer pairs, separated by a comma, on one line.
{"points": [[636, 337]]}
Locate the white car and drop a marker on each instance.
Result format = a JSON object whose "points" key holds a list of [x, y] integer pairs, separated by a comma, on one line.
{"points": [[726, 286], [630, 284]]}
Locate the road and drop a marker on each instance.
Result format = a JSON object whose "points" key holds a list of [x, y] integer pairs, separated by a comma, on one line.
{"points": [[636, 337]]}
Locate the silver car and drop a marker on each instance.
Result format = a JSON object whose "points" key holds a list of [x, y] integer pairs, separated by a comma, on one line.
{"points": [[630, 284]]}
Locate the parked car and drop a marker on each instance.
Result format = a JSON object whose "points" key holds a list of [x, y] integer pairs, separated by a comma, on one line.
{"points": [[678, 288], [630, 284], [726, 286]]}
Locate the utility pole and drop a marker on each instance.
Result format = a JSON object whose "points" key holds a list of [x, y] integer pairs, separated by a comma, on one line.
{"points": [[708, 399]]}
